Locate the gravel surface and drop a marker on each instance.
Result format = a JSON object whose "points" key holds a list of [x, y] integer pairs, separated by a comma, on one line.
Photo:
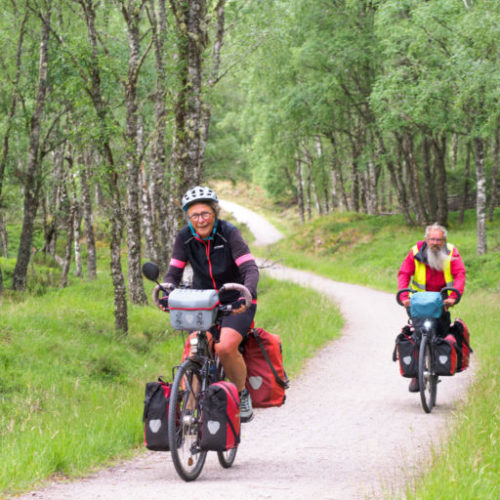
{"points": [[348, 430]]}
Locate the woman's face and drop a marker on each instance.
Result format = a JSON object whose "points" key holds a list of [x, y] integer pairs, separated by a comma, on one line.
{"points": [[202, 218]]}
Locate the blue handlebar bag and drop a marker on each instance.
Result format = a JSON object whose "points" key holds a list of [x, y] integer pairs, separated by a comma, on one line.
{"points": [[426, 305]]}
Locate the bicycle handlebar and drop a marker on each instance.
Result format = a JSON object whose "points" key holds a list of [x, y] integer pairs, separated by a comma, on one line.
{"points": [[244, 292], [442, 292], [166, 288]]}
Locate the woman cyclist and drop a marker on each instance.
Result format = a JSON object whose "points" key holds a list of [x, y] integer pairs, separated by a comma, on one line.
{"points": [[218, 254]]}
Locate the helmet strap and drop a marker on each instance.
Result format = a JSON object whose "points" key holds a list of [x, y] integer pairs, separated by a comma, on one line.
{"points": [[196, 235]]}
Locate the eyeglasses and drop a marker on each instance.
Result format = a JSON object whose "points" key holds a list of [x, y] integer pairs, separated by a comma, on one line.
{"points": [[200, 216]]}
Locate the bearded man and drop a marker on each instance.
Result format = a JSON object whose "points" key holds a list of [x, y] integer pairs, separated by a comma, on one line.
{"points": [[431, 265]]}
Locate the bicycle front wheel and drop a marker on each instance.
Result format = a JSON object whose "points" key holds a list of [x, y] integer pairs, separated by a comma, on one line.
{"points": [[184, 422], [226, 458], [427, 380]]}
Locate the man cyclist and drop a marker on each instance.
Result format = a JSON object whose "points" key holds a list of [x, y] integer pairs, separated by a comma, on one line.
{"points": [[218, 254], [431, 265]]}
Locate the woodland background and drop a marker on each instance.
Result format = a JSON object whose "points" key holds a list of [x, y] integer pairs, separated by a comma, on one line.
{"points": [[110, 110]]}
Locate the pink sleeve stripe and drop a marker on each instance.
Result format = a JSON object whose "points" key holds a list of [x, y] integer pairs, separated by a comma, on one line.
{"points": [[243, 259], [177, 263]]}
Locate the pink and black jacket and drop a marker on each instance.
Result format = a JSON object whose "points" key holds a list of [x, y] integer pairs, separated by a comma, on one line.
{"points": [[222, 258]]}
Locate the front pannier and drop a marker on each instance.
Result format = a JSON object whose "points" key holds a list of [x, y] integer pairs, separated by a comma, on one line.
{"points": [[444, 355], [406, 351], [155, 416], [220, 415]]}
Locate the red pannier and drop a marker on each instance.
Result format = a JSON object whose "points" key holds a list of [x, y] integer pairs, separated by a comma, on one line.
{"points": [[461, 333], [444, 355], [266, 376], [220, 415]]}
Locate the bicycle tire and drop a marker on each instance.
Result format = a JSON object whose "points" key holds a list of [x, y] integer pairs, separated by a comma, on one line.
{"points": [[226, 458], [427, 381], [184, 422]]}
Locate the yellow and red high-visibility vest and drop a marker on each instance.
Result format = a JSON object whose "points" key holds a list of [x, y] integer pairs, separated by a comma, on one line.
{"points": [[420, 276]]}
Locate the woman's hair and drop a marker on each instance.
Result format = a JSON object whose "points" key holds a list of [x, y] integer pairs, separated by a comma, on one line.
{"points": [[212, 204]]}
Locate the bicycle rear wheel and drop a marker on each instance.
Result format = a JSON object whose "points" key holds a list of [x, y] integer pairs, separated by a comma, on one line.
{"points": [[184, 422], [427, 381]]}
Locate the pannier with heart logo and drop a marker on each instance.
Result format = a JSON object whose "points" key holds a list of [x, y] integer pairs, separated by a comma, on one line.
{"points": [[444, 354], [406, 351], [155, 416], [220, 416], [192, 309], [266, 376]]}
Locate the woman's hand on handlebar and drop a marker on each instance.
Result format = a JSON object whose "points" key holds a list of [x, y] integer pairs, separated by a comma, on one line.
{"points": [[163, 303]]}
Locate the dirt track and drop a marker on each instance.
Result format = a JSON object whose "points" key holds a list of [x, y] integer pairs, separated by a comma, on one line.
{"points": [[348, 430]]}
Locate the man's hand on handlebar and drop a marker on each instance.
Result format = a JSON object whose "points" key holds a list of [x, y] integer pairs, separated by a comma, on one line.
{"points": [[449, 302]]}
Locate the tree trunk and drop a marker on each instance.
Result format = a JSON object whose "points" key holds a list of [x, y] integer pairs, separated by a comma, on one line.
{"points": [[4, 241], [397, 183], [132, 16], [214, 74], [87, 218], [407, 147], [494, 176], [147, 219], [300, 188], [95, 92], [339, 198], [466, 182], [481, 196], [371, 189], [439, 147], [430, 187], [13, 102], [191, 23], [31, 180], [159, 214], [69, 244]]}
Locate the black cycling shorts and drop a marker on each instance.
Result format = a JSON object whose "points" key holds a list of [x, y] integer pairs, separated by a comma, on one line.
{"points": [[240, 322]]}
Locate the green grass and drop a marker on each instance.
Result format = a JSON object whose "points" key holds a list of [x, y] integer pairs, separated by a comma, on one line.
{"points": [[71, 391]]}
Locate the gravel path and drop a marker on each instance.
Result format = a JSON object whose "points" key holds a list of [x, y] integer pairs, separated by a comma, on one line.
{"points": [[349, 429]]}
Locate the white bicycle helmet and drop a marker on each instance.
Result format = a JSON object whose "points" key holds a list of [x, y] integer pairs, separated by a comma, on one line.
{"points": [[198, 193]]}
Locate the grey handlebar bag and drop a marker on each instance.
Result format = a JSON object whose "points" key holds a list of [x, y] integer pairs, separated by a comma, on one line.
{"points": [[193, 309]]}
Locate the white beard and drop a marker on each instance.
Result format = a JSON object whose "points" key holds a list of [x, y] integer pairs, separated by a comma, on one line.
{"points": [[437, 258]]}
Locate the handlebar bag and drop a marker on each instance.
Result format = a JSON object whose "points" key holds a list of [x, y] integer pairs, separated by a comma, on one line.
{"points": [[444, 355], [155, 416], [426, 305], [220, 416], [193, 309], [266, 376], [406, 352]]}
